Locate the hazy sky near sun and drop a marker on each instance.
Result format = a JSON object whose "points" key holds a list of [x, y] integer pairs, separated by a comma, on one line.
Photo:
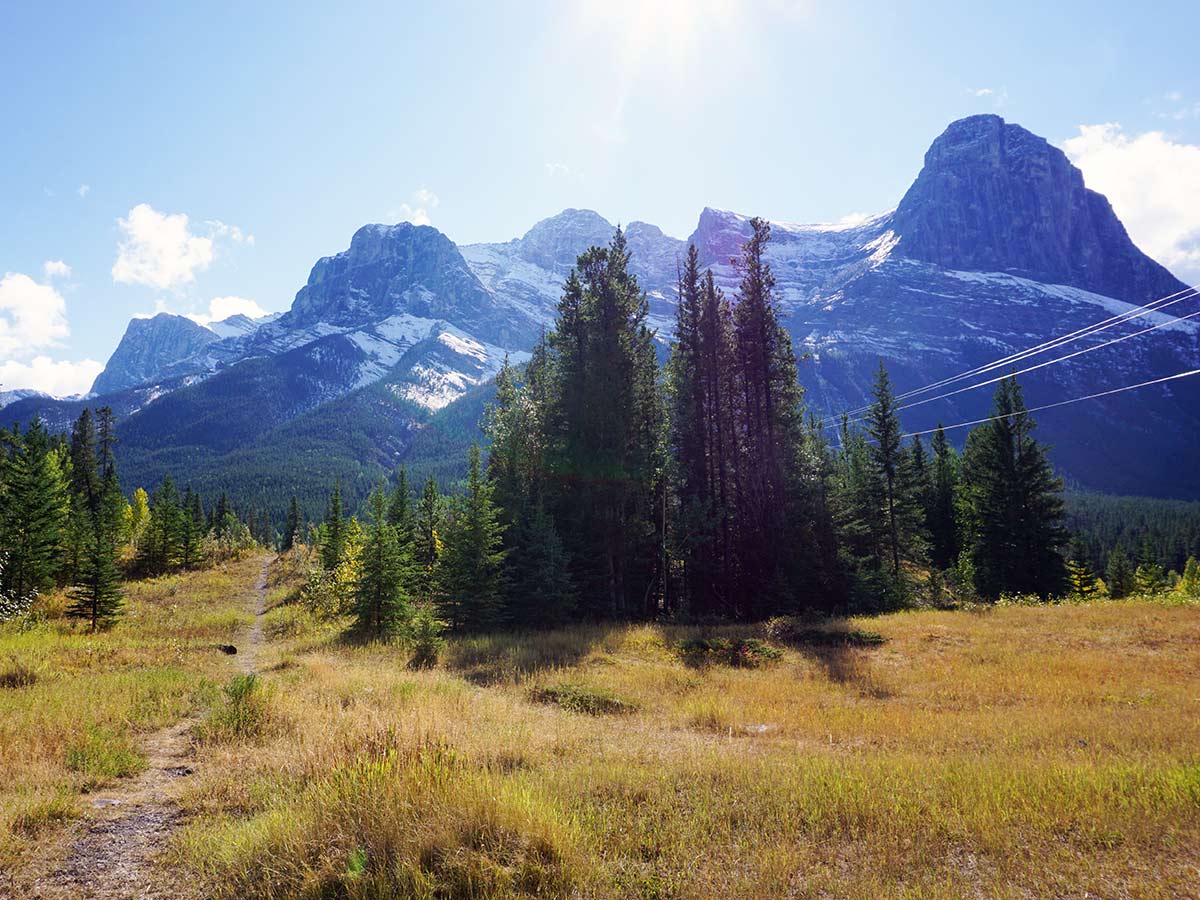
{"points": [[199, 158]]}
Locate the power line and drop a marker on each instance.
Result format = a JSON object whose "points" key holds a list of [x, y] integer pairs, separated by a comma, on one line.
{"points": [[1045, 406], [1128, 315], [1041, 365]]}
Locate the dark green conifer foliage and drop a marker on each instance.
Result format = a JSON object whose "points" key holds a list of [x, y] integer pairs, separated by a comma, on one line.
{"points": [[1081, 579], [380, 603], [471, 573], [604, 426], [291, 529], [898, 500], [334, 546], [427, 542], [97, 596], [33, 516], [162, 548], [400, 508], [940, 517], [1119, 575], [1013, 505]]}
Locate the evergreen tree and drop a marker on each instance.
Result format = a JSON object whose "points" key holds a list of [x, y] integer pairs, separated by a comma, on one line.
{"points": [[1119, 575], [898, 500], [1081, 580], [334, 545], [1149, 577], [291, 530], [380, 604], [940, 516], [191, 532], [162, 549], [471, 573], [1012, 505], [604, 423], [400, 509], [34, 513], [539, 590], [97, 596], [427, 542]]}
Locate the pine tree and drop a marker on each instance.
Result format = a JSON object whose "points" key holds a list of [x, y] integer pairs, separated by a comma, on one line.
{"points": [[941, 518], [291, 530], [34, 514], [400, 508], [1149, 578], [1119, 575], [1081, 580], [1012, 504], [539, 591], [380, 604], [334, 531], [427, 542], [471, 573], [898, 500], [97, 596]]}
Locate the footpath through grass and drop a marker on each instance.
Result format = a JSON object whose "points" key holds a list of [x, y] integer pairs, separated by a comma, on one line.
{"points": [[1013, 752], [75, 707]]}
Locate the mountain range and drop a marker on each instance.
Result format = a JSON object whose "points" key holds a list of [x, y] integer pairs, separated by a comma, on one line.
{"points": [[387, 351]]}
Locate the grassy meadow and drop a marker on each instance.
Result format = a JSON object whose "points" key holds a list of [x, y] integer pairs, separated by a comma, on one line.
{"points": [[1013, 751], [75, 706]]}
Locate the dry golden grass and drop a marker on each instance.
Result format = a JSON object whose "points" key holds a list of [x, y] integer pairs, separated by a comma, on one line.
{"points": [[78, 722], [1017, 752]]}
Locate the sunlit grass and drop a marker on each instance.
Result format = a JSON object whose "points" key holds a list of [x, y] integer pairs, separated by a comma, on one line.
{"points": [[1045, 751]]}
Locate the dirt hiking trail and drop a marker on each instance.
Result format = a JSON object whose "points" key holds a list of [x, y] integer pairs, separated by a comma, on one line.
{"points": [[112, 852]]}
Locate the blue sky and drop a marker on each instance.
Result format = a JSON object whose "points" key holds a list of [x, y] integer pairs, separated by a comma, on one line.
{"points": [[161, 156]]}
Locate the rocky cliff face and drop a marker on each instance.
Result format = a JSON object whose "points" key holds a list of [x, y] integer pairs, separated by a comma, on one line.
{"points": [[993, 197], [148, 347]]}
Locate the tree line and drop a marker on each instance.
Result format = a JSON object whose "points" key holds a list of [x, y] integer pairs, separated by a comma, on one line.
{"points": [[64, 522], [614, 489]]}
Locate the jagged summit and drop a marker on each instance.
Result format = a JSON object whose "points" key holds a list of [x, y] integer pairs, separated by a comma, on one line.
{"points": [[993, 197]]}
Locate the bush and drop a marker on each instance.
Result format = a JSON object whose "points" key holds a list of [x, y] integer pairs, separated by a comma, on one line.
{"points": [[792, 631], [583, 699], [742, 653], [425, 637]]}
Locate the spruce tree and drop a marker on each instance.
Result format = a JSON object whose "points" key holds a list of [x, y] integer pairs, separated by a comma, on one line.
{"points": [[162, 549], [380, 603], [1189, 584], [400, 508], [898, 500], [1081, 579], [941, 517], [97, 596], [539, 589], [1119, 575], [291, 529], [471, 574], [334, 545], [1149, 577], [427, 542], [33, 517], [1012, 505]]}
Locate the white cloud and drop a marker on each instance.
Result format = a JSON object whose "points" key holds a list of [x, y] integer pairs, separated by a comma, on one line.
{"points": [[32, 316], [980, 92], [83, 190], [426, 197], [417, 212], [217, 228], [56, 268], [557, 170], [57, 377], [1153, 183], [223, 307], [158, 250]]}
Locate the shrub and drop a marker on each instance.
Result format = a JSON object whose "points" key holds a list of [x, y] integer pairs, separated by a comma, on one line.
{"points": [[742, 653], [425, 636], [792, 631], [583, 699]]}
